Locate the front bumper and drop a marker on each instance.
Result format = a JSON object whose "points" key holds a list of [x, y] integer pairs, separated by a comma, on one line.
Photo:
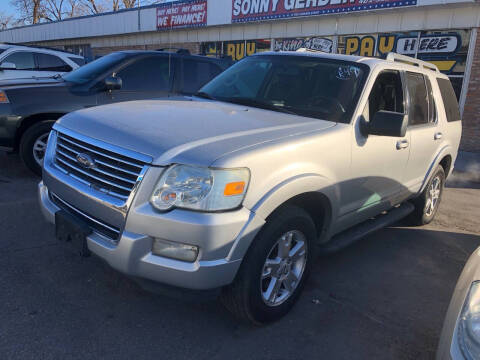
{"points": [[221, 237], [9, 125]]}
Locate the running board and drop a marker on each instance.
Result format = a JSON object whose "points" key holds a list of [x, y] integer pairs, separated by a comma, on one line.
{"points": [[348, 237]]}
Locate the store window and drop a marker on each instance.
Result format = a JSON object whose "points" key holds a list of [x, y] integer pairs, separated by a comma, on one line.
{"points": [[236, 50]]}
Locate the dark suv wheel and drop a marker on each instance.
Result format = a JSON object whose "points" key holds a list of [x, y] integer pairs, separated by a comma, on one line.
{"points": [[33, 145], [273, 273]]}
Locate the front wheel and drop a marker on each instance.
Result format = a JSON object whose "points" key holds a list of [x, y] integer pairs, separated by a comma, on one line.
{"points": [[34, 144], [427, 204], [275, 268]]}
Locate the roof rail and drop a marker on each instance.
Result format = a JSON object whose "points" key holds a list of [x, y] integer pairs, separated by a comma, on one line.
{"points": [[179, 51], [308, 50], [411, 61]]}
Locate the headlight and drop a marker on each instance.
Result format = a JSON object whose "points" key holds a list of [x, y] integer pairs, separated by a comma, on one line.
{"points": [[200, 188], [469, 324]]}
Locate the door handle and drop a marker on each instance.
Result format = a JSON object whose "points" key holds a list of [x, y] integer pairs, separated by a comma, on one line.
{"points": [[402, 144], [437, 136]]}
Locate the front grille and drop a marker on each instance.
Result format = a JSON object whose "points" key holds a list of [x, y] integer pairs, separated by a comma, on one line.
{"points": [[113, 174], [100, 227]]}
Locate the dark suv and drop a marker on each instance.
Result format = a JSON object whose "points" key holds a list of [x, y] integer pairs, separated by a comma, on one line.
{"points": [[29, 107]]}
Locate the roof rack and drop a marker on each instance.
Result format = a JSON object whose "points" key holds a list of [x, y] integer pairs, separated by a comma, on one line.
{"points": [[411, 61], [179, 51], [308, 50], [40, 47]]}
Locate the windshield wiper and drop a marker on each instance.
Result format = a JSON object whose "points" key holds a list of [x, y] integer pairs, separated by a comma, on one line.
{"points": [[204, 95], [259, 104]]}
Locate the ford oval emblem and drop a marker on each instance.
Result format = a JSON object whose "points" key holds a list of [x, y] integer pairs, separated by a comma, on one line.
{"points": [[85, 161]]}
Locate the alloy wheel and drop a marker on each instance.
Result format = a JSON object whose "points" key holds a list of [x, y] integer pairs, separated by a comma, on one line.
{"points": [[433, 196], [39, 148], [283, 268]]}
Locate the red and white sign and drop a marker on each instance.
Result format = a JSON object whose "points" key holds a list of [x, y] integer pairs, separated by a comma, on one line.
{"points": [[184, 14]]}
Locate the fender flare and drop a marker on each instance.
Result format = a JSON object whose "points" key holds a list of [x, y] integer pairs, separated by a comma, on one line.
{"points": [[277, 196], [444, 151]]}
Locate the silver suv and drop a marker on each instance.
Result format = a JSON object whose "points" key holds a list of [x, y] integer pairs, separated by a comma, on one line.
{"points": [[281, 157]]}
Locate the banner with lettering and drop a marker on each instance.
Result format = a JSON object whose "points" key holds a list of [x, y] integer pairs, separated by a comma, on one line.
{"points": [[182, 14], [255, 10]]}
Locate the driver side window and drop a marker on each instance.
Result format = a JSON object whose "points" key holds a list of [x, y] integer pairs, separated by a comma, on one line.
{"points": [[386, 94]]}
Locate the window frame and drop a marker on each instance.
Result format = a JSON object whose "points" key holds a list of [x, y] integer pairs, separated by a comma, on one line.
{"points": [[181, 78], [430, 95], [437, 79], [7, 55], [135, 59], [404, 89], [37, 62]]}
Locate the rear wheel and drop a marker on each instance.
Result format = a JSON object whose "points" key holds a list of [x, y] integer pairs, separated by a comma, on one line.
{"points": [[275, 268], [33, 145], [427, 204]]}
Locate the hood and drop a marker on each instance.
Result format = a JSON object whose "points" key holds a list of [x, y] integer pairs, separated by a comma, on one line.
{"points": [[28, 82], [187, 131]]}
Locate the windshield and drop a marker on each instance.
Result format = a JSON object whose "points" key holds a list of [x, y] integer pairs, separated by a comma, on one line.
{"points": [[94, 69], [302, 85]]}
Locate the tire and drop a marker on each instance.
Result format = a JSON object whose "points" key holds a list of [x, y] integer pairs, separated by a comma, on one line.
{"points": [[247, 297], [424, 213], [35, 136]]}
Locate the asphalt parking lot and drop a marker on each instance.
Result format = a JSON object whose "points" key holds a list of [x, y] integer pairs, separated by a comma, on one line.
{"points": [[383, 298]]}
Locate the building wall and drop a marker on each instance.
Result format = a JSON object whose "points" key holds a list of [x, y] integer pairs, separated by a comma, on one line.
{"points": [[471, 113]]}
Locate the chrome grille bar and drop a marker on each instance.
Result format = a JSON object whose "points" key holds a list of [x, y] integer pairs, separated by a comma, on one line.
{"points": [[103, 154], [112, 173], [71, 158]]}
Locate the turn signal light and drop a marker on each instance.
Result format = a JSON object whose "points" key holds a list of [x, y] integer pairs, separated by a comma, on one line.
{"points": [[3, 97], [234, 188]]}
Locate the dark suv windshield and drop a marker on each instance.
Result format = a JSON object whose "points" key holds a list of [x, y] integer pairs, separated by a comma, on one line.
{"points": [[303, 85], [94, 69]]}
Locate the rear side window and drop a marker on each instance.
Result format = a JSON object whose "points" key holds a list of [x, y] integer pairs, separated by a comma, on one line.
{"points": [[78, 61], [419, 99], [47, 62], [449, 100], [197, 73], [147, 74], [23, 60]]}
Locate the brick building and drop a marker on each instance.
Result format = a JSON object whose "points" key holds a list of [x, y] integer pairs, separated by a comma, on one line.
{"points": [[443, 32]]}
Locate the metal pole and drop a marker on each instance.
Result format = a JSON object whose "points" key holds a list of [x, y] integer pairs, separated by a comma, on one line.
{"points": [[138, 7]]}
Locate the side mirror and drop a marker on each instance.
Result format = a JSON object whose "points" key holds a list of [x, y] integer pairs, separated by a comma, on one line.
{"points": [[112, 83], [8, 66], [386, 123]]}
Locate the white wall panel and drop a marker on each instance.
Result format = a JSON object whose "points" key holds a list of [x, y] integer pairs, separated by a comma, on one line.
{"points": [[110, 29], [389, 22], [412, 20], [219, 12], [367, 24]]}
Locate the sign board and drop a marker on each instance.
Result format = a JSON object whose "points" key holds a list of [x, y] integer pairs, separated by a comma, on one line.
{"points": [[255, 10], [316, 43], [182, 14], [441, 44]]}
